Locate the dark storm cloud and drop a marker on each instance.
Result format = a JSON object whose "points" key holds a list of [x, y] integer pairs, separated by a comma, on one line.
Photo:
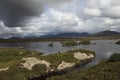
{"points": [[13, 11], [38, 17]]}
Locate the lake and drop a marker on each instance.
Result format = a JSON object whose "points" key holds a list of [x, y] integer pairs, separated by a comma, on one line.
{"points": [[103, 48]]}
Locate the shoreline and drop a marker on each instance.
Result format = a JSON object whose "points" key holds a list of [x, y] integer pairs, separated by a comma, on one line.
{"points": [[56, 39], [26, 64], [56, 73]]}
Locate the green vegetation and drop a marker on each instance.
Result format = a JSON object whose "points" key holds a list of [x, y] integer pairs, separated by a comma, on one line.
{"points": [[19, 73], [9, 57], [118, 42], [13, 58], [85, 42], [69, 43], [105, 70], [57, 58], [114, 57]]}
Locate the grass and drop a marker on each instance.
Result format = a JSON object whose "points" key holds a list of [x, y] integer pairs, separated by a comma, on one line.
{"points": [[85, 42], [69, 43], [56, 59], [114, 57], [19, 73], [105, 70], [12, 58], [68, 56]]}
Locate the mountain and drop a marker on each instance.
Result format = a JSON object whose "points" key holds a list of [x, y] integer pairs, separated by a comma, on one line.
{"points": [[106, 33], [84, 34], [67, 34], [72, 34], [15, 38]]}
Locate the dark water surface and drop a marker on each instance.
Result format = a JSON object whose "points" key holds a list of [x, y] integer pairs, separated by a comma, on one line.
{"points": [[103, 48]]}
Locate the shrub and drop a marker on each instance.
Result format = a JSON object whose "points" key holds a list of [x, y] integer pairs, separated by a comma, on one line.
{"points": [[69, 43], [114, 57], [118, 42], [84, 42]]}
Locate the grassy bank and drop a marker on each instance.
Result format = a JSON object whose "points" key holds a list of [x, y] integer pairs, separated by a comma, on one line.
{"points": [[12, 61], [12, 56], [105, 70], [68, 56]]}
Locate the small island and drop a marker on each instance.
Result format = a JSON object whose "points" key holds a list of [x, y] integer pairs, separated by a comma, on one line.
{"points": [[118, 42], [84, 42], [105, 70], [69, 43], [20, 64]]}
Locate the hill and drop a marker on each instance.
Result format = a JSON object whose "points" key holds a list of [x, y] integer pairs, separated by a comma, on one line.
{"points": [[106, 33], [66, 34]]}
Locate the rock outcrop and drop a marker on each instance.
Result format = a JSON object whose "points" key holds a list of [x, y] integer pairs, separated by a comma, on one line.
{"points": [[32, 61], [65, 65], [82, 56], [4, 69], [77, 55]]}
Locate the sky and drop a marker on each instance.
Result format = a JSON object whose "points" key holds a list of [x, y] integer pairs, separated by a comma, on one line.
{"points": [[20, 18]]}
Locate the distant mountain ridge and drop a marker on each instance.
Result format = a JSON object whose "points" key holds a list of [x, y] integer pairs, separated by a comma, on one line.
{"points": [[73, 34], [83, 34], [106, 33], [67, 34]]}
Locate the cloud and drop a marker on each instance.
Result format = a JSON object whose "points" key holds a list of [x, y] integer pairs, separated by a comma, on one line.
{"points": [[113, 12], [108, 8], [54, 16], [92, 12], [52, 21], [12, 12], [6, 32]]}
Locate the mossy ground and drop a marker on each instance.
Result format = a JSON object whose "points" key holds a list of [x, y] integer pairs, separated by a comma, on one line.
{"points": [[68, 56], [105, 70], [12, 58]]}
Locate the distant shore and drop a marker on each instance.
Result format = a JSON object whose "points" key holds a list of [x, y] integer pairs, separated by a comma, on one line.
{"points": [[55, 39]]}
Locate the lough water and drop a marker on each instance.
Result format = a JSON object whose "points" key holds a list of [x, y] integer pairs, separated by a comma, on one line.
{"points": [[103, 48]]}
